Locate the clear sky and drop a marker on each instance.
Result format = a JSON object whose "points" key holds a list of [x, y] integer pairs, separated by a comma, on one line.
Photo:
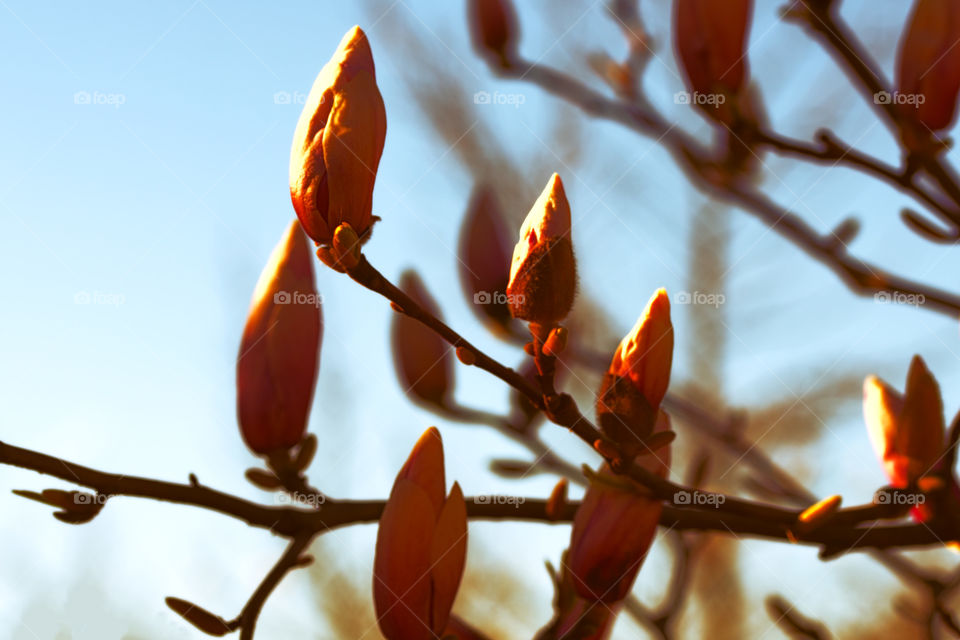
{"points": [[143, 183]]}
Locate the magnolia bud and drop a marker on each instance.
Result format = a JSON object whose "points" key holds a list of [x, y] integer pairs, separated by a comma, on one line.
{"points": [[928, 65], [638, 377], [280, 349], [337, 144], [422, 359], [484, 255], [907, 431], [493, 29], [421, 547], [710, 40], [613, 530], [543, 273]]}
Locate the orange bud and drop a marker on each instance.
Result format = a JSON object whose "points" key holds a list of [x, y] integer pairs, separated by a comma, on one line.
{"points": [[337, 144], [710, 40], [906, 431], [638, 377], [484, 255], [422, 359], [613, 530], [543, 273], [421, 547], [280, 349], [493, 28], [928, 64]]}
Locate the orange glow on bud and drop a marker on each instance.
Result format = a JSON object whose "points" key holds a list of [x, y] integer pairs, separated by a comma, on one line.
{"points": [[928, 64], [638, 377], [613, 530], [710, 40], [543, 272], [645, 355], [421, 547], [280, 349], [422, 359], [337, 144], [906, 430]]}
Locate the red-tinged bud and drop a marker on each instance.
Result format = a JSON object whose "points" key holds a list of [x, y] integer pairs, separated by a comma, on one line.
{"points": [[710, 39], [484, 257], [280, 349], [928, 65], [638, 377], [423, 360], [543, 272], [613, 530], [907, 431], [493, 29], [337, 144], [421, 547]]}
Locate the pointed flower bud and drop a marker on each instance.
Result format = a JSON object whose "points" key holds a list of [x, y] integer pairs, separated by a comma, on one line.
{"points": [[280, 349], [543, 273], [613, 530], [421, 547], [484, 256], [907, 431], [638, 377], [710, 40], [493, 29], [337, 144], [422, 359], [928, 64]]}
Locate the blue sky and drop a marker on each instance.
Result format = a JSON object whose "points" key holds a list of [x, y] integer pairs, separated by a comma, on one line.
{"points": [[143, 183]]}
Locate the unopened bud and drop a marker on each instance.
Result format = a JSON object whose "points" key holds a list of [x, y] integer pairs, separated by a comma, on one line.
{"points": [[821, 511]]}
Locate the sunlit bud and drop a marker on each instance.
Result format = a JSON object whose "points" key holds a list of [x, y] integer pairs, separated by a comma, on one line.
{"points": [[280, 349], [557, 501], [421, 547], [821, 511], [613, 530], [484, 258], [710, 40], [423, 360], [346, 244], [556, 342], [906, 430], [337, 144], [928, 64], [543, 273], [493, 29], [638, 377]]}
